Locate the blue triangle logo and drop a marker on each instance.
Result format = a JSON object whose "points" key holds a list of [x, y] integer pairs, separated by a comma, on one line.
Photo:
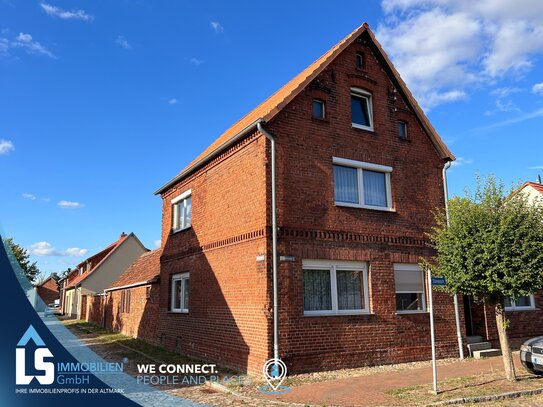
{"points": [[30, 334]]}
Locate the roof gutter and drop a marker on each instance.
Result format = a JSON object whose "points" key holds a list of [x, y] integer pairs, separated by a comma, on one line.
{"points": [[209, 156], [455, 297], [139, 283]]}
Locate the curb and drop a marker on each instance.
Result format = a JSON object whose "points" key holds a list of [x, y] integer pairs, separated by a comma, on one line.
{"points": [[494, 397]]}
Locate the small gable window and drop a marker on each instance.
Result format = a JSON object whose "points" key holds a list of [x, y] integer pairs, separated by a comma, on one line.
{"points": [[402, 129], [361, 109], [360, 62], [318, 109]]}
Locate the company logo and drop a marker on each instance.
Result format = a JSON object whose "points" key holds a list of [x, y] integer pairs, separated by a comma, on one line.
{"points": [[275, 371], [40, 353]]}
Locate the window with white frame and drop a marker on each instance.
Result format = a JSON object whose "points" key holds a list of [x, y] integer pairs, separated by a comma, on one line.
{"points": [[180, 292], [335, 287], [182, 211], [361, 184], [519, 304], [410, 295], [361, 109]]}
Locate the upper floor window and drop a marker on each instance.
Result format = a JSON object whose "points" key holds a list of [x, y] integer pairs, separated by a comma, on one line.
{"points": [[409, 280], [361, 109], [402, 129], [360, 62], [335, 287], [318, 109], [362, 185], [182, 211], [521, 303], [180, 292]]}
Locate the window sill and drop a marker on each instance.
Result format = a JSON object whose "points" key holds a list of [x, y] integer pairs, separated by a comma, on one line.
{"points": [[361, 127], [374, 208], [178, 311], [521, 309], [336, 314], [174, 231], [320, 119]]}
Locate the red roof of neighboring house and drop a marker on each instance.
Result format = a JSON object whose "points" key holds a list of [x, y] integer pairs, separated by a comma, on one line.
{"points": [[534, 185], [145, 269], [102, 256], [276, 102]]}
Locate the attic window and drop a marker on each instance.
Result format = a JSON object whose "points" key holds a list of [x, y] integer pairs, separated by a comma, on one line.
{"points": [[360, 62], [402, 129], [318, 109]]}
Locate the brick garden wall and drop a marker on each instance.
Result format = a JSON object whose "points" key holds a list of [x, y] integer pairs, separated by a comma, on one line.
{"points": [[94, 309]]}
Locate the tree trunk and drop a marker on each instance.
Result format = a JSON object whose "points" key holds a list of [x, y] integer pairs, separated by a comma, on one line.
{"points": [[501, 323]]}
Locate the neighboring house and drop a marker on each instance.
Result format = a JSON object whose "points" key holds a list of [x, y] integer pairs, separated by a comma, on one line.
{"points": [[525, 315], [45, 293], [131, 302], [358, 176], [97, 272]]}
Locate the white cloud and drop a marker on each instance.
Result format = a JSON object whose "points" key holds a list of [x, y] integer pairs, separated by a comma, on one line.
{"points": [[29, 196], [452, 45], [196, 61], [157, 243], [70, 204], [173, 101], [6, 146], [123, 42], [538, 88], [54, 11], [536, 167], [47, 249], [217, 26], [25, 42], [505, 91], [461, 161]]}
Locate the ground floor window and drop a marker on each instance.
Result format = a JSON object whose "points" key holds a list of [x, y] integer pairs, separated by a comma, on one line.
{"points": [[180, 292], [521, 303], [409, 280], [335, 287]]}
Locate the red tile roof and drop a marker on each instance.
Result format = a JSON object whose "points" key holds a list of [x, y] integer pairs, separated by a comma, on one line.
{"points": [[276, 102], [534, 185], [103, 255], [145, 269]]}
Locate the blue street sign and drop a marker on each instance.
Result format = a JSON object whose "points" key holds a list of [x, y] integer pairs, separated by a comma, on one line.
{"points": [[439, 281]]}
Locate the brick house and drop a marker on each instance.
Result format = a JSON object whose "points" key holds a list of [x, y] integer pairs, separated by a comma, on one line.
{"points": [[525, 314], [356, 168], [45, 293], [131, 302], [97, 272]]}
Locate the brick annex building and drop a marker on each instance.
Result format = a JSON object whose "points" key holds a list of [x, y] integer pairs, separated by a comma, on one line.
{"points": [[358, 171]]}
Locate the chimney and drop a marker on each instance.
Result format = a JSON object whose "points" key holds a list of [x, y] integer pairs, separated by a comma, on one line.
{"points": [[123, 235]]}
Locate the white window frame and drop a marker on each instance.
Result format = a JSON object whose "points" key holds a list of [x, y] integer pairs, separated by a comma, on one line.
{"points": [[412, 267], [183, 277], [176, 206], [514, 307], [321, 102], [361, 166], [363, 94], [333, 266]]}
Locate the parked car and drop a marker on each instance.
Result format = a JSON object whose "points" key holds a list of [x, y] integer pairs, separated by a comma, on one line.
{"points": [[531, 355], [52, 309]]}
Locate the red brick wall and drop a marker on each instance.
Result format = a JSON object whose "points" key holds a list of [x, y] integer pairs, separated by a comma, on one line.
{"points": [[95, 309], [142, 319], [48, 292], [230, 293], [84, 308]]}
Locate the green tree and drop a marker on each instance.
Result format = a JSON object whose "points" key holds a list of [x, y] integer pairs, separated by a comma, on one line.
{"points": [[23, 258], [492, 249]]}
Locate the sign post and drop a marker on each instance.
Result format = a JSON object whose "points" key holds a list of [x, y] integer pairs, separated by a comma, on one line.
{"points": [[431, 282]]}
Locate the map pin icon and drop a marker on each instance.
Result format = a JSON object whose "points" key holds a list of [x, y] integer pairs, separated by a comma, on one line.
{"points": [[275, 372]]}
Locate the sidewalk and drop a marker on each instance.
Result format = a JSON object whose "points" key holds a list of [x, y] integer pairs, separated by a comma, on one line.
{"points": [[372, 390]]}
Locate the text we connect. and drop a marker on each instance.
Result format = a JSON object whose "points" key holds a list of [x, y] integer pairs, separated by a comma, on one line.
{"points": [[205, 369]]}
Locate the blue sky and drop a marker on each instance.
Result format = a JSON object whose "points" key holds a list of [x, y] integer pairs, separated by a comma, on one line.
{"points": [[103, 102]]}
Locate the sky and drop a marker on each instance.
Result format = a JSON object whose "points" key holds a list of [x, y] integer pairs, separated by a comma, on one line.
{"points": [[101, 103]]}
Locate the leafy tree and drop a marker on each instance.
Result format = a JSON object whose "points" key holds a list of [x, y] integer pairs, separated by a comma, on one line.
{"points": [[492, 249], [23, 258]]}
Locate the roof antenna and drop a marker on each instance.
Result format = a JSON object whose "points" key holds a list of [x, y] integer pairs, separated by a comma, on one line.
{"points": [[539, 178]]}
